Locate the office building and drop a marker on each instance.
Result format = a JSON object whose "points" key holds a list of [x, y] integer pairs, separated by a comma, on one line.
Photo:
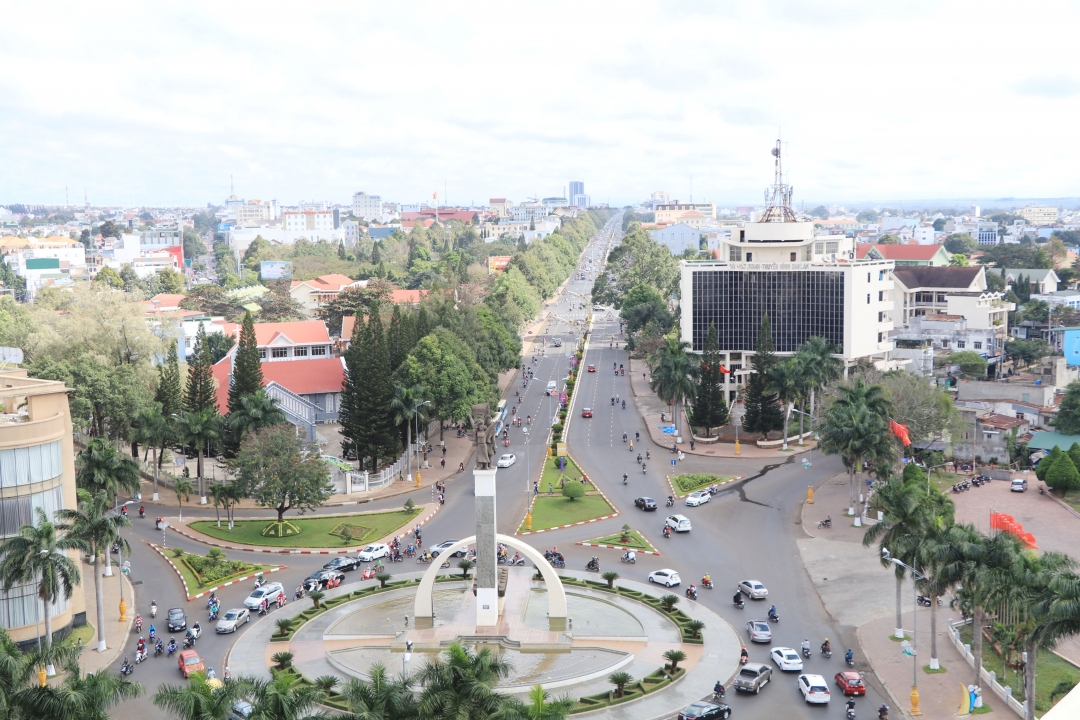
{"points": [[576, 188], [37, 470], [581, 201], [674, 212], [367, 207], [314, 225], [1039, 214]]}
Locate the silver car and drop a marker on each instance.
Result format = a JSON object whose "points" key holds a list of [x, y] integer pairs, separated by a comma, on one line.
{"points": [[759, 631], [232, 619], [753, 677], [753, 589]]}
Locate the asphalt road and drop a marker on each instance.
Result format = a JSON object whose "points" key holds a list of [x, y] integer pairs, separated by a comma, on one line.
{"points": [[745, 532]]}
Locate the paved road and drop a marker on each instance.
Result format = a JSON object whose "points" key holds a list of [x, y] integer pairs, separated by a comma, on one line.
{"points": [[746, 532]]}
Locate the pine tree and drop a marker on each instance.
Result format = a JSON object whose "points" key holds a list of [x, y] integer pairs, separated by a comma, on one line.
{"points": [[247, 375], [376, 258], [710, 410], [170, 393], [200, 393], [762, 406], [341, 249], [397, 343], [365, 416], [423, 326]]}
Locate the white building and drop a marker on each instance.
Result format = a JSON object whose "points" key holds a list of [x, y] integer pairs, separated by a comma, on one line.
{"points": [[581, 200], [314, 225], [254, 212], [1039, 214], [527, 211], [367, 207], [678, 237], [351, 230], [926, 235]]}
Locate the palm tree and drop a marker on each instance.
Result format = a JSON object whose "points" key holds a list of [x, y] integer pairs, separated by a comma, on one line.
{"points": [[673, 373], [94, 527], [101, 467], [284, 698], [853, 430], [940, 557], [183, 488], [787, 381], [674, 657], [380, 698], [539, 707], [988, 566], [77, 696], [20, 687], [148, 431], [408, 406], [256, 411], [820, 365], [459, 684], [197, 699], [902, 511], [201, 429], [620, 680], [37, 555]]}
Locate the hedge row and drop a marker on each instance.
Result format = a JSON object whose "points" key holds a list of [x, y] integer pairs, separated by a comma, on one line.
{"points": [[652, 682], [681, 619]]}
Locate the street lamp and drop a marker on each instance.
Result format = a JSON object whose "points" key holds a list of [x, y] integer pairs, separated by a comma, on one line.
{"points": [[916, 575], [108, 553], [416, 435]]}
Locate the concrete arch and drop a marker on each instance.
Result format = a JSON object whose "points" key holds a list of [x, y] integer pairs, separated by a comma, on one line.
{"points": [[423, 608]]}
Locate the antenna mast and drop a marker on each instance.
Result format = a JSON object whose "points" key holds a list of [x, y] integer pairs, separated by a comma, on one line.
{"points": [[778, 196]]}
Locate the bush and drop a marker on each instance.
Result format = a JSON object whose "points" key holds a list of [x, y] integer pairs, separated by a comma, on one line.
{"points": [[693, 481], [409, 505], [215, 567], [178, 552], [283, 660], [573, 490]]}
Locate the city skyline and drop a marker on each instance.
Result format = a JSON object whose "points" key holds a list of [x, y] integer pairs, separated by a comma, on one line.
{"points": [[874, 104]]}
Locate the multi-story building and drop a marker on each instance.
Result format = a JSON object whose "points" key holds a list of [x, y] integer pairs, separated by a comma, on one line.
{"points": [[314, 294], [905, 255], [1039, 214], [577, 187], [1040, 282], [37, 470], [254, 212], [581, 200], [311, 224], [527, 211], [500, 206], [553, 202], [351, 231], [367, 207], [925, 290], [674, 212], [807, 285], [659, 197], [973, 321], [678, 238]]}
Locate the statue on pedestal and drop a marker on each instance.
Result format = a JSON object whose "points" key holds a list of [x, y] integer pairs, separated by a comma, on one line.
{"points": [[485, 436]]}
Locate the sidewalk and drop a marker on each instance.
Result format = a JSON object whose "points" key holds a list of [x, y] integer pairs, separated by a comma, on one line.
{"points": [[117, 635], [651, 408]]}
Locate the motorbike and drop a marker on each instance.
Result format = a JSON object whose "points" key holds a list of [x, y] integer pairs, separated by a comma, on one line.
{"points": [[826, 653], [670, 501], [926, 602], [774, 617], [126, 668], [826, 523], [212, 616], [740, 604], [593, 565], [159, 648], [707, 584], [212, 600], [140, 655], [153, 609], [850, 713], [625, 477], [806, 651], [850, 661], [691, 593], [629, 557], [142, 512], [171, 649]]}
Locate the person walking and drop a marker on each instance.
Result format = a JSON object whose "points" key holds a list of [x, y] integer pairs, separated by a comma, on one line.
{"points": [[536, 488], [442, 462]]}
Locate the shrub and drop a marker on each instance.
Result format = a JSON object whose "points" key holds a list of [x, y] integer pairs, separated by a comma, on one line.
{"points": [[695, 627], [465, 566], [668, 602], [316, 597], [674, 657], [283, 660], [383, 578], [409, 505], [692, 481], [611, 576], [284, 626], [215, 555], [573, 490], [214, 567], [620, 680], [178, 552]]}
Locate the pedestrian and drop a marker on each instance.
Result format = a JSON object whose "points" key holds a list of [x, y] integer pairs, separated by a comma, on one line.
{"points": [[442, 462], [442, 499], [663, 418], [551, 488], [228, 675], [691, 445], [536, 488]]}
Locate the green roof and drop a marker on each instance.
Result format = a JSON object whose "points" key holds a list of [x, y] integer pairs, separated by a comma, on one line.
{"points": [[1050, 440]]}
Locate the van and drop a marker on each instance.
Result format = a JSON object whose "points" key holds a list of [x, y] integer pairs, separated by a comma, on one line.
{"points": [[551, 387]]}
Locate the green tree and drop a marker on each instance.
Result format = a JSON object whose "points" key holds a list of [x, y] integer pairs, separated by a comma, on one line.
{"points": [[285, 697], [460, 684], [856, 429], [786, 379], [379, 698], [762, 407], [939, 225], [1015, 256], [183, 489], [198, 699], [200, 392], [255, 411], [573, 490], [673, 374], [169, 391], [868, 216], [1067, 421], [441, 365], [971, 364], [710, 409], [903, 517], [106, 398], [101, 468], [247, 375], [365, 416], [961, 243], [821, 212], [1063, 476], [275, 468], [109, 276], [409, 406], [620, 680], [820, 367], [168, 281], [539, 706], [37, 555], [200, 429]]}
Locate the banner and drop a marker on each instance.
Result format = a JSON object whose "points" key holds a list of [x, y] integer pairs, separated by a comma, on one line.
{"points": [[275, 269]]}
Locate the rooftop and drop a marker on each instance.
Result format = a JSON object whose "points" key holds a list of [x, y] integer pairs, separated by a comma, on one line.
{"points": [[937, 277], [303, 377], [299, 332], [899, 252]]}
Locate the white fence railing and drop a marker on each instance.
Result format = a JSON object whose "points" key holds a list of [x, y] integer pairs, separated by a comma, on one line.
{"points": [[988, 677]]}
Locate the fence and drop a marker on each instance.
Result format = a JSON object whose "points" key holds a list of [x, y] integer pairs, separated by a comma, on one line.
{"points": [[987, 677]]}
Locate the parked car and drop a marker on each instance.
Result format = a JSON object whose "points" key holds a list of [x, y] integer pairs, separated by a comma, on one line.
{"points": [[270, 592], [759, 631], [342, 563], [753, 677], [506, 460], [814, 689], [645, 503], [702, 710], [586, 412], [189, 662], [373, 552], [850, 683], [435, 550], [754, 589], [678, 523], [786, 659], [232, 619], [176, 620], [1018, 485], [666, 577], [698, 497]]}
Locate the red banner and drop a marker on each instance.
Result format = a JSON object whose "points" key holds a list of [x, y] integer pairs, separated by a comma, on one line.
{"points": [[1005, 523]]}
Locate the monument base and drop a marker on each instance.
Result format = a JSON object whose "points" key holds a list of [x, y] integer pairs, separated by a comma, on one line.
{"points": [[487, 607]]}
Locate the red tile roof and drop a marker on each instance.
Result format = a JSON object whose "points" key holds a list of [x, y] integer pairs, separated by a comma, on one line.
{"points": [[300, 332], [347, 324], [303, 377], [166, 300], [411, 297], [899, 252], [334, 281]]}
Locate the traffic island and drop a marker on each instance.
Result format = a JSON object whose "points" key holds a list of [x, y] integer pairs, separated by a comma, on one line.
{"points": [[683, 485], [327, 531], [203, 575], [549, 512], [628, 539]]}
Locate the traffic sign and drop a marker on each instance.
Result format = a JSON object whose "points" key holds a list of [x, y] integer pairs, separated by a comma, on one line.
{"points": [[673, 463]]}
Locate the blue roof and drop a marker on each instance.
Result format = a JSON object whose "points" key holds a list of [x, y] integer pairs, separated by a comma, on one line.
{"points": [[380, 233], [1050, 440]]}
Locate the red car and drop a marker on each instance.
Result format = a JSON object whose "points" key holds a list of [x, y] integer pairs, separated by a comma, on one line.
{"points": [[586, 412], [850, 683], [190, 662], [592, 368]]}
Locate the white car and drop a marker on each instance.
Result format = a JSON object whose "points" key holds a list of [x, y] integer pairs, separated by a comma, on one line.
{"points": [[666, 577], [551, 387], [374, 552], [232, 619], [270, 592], [697, 498], [436, 550], [786, 658], [506, 460], [753, 589], [814, 689], [759, 631], [678, 523]]}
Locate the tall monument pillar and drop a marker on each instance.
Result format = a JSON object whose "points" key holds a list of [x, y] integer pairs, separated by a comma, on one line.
{"points": [[487, 576]]}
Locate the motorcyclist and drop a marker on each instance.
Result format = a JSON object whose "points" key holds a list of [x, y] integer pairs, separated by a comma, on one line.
{"points": [[670, 500], [667, 531], [153, 632], [138, 623], [623, 404], [772, 611], [883, 712], [639, 457], [623, 435], [159, 647], [210, 674], [692, 590], [718, 689], [140, 648], [648, 455], [849, 656], [744, 656], [707, 580], [826, 647], [142, 511], [738, 597], [851, 704], [172, 646], [153, 608], [806, 646]]}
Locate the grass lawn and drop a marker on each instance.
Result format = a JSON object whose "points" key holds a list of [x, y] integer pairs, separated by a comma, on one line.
{"points": [[637, 542], [686, 484], [192, 579], [549, 512], [552, 475], [84, 633], [315, 531], [944, 481]]}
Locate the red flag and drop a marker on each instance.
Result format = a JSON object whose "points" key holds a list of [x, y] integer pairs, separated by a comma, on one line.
{"points": [[724, 370], [900, 431]]}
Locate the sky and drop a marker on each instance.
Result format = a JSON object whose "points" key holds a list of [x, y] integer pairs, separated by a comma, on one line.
{"points": [[159, 104]]}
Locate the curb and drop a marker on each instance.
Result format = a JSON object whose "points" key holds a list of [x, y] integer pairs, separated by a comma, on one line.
{"points": [[583, 522], [677, 496], [618, 547], [183, 582], [341, 551], [560, 527]]}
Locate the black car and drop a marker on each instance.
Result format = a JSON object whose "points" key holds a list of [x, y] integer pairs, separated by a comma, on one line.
{"points": [[342, 563], [177, 620], [702, 710], [318, 580], [645, 503]]}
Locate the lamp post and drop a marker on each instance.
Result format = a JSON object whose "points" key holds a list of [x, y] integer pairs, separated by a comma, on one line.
{"points": [[916, 575], [929, 472], [416, 438], [734, 416]]}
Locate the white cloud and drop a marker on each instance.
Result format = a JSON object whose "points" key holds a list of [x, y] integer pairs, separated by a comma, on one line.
{"points": [[148, 103]]}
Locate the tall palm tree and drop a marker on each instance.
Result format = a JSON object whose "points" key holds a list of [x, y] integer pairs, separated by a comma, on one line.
{"points": [[199, 700], [94, 527], [19, 675], [284, 698], [76, 697], [673, 373], [872, 397], [940, 557], [902, 511], [37, 555], [380, 698], [256, 411], [787, 381], [987, 572], [540, 706], [459, 684], [820, 365], [101, 467], [202, 430], [183, 488], [409, 405], [153, 431], [857, 434]]}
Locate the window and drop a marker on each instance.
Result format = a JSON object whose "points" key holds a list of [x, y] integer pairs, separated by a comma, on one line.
{"points": [[881, 275], [792, 257], [819, 248], [867, 277], [881, 295], [262, 353], [279, 352], [944, 343], [941, 298], [880, 336], [831, 248], [961, 344], [978, 345], [749, 257], [735, 254], [300, 352], [318, 349], [867, 298]]}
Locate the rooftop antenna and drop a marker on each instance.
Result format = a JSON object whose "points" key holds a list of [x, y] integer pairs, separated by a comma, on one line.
{"points": [[231, 191], [778, 197], [691, 189]]}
